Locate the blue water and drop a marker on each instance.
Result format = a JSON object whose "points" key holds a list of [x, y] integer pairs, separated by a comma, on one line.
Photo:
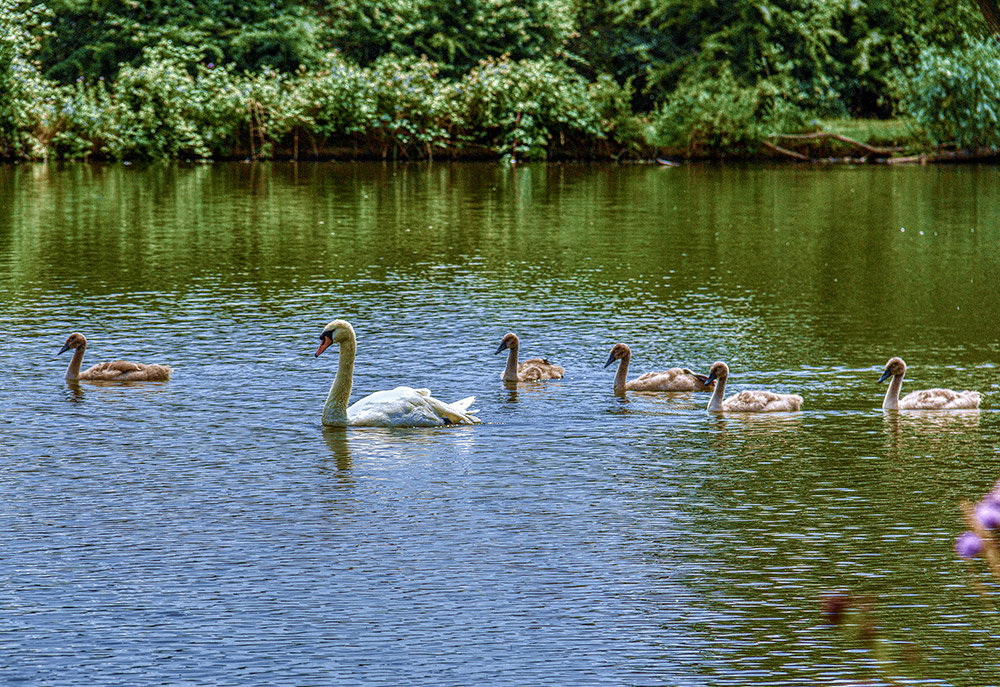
{"points": [[209, 531]]}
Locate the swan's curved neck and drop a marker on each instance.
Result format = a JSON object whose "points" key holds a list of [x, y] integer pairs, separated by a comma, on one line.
{"points": [[510, 372], [715, 403], [622, 374], [891, 401], [73, 371], [335, 410]]}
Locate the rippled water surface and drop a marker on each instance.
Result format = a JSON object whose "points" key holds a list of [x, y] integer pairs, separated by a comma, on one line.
{"points": [[209, 531]]}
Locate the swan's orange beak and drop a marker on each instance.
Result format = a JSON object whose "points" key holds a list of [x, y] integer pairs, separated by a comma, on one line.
{"points": [[324, 344]]}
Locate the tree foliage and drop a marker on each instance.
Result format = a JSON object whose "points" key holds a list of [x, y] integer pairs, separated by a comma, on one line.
{"points": [[525, 79], [954, 96], [456, 35], [93, 38], [25, 97]]}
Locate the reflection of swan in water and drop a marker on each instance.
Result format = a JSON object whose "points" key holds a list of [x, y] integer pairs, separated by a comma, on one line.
{"points": [[930, 432], [944, 422], [115, 371], [751, 401], [401, 407], [336, 439], [674, 379], [75, 390], [533, 370], [927, 399], [760, 437]]}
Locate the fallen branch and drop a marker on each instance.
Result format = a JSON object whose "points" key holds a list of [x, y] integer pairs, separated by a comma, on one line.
{"points": [[839, 137], [786, 151]]}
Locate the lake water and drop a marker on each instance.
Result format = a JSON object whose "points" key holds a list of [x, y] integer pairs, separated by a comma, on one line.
{"points": [[209, 531]]}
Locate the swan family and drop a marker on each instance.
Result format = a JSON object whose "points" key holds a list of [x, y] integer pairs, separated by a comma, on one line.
{"points": [[406, 406]]}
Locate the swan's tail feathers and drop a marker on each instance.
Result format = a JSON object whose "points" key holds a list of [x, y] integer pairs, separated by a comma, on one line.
{"points": [[465, 404], [461, 412]]}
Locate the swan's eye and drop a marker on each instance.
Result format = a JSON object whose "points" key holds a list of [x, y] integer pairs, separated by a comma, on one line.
{"points": [[325, 335]]}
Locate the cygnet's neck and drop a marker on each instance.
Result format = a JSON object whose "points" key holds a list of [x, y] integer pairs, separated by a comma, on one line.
{"points": [[715, 403], [622, 373], [891, 401], [510, 372], [335, 410], [73, 371]]}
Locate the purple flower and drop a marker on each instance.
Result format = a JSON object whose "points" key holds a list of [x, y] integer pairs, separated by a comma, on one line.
{"points": [[988, 514], [968, 545]]}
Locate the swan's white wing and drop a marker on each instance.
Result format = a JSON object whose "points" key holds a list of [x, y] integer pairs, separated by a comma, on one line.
{"points": [[406, 407]]}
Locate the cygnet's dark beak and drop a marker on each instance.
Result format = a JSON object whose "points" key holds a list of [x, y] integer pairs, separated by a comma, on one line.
{"points": [[611, 359], [65, 348], [502, 347], [711, 378], [885, 376]]}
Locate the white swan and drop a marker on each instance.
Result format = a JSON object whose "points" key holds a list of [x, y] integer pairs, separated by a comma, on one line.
{"points": [[674, 379], [115, 371], [401, 407], [751, 401], [532, 370], [927, 399]]}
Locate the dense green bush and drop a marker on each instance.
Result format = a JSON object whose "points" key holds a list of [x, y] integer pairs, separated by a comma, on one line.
{"points": [[954, 96], [26, 99], [173, 106], [714, 115], [520, 109], [169, 106]]}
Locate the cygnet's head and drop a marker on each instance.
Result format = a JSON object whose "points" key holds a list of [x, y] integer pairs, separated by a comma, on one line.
{"points": [[618, 351], [894, 367], [75, 340], [509, 340], [337, 331], [718, 370]]}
